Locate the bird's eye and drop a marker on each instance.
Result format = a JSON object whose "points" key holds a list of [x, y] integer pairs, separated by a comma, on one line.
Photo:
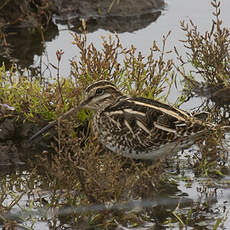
{"points": [[99, 91]]}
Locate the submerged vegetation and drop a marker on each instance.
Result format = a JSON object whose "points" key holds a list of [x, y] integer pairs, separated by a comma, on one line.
{"points": [[70, 180]]}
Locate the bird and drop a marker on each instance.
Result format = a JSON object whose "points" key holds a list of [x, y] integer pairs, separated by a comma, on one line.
{"points": [[138, 127]]}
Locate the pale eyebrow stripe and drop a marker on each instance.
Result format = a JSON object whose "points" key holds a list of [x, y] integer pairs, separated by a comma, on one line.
{"points": [[100, 97]]}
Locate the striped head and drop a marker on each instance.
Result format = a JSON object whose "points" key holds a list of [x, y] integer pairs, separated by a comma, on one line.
{"points": [[99, 95]]}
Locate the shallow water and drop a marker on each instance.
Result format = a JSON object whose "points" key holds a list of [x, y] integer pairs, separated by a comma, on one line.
{"points": [[207, 197], [197, 201]]}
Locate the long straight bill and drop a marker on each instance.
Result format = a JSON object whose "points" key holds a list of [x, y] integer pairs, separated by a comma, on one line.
{"points": [[53, 123]]}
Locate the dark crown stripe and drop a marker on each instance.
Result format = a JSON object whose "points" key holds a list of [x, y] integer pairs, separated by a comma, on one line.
{"points": [[100, 84]]}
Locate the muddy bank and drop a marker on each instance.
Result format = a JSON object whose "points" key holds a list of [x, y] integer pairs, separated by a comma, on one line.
{"points": [[96, 8], [15, 148], [119, 16], [38, 13]]}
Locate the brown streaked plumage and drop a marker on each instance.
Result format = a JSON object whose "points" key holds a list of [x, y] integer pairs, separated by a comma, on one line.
{"points": [[138, 127]]}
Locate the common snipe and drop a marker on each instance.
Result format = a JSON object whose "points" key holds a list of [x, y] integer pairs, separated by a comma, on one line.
{"points": [[138, 127]]}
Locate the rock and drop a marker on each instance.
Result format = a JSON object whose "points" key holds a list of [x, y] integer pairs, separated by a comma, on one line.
{"points": [[89, 8], [9, 154], [7, 129], [115, 16]]}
